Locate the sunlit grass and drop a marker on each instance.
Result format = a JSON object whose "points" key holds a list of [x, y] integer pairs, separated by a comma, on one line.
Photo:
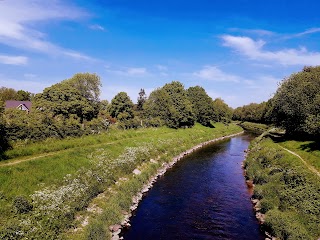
{"points": [[308, 150], [80, 160]]}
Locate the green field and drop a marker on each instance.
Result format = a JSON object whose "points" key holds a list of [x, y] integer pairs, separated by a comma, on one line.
{"points": [[49, 184]]}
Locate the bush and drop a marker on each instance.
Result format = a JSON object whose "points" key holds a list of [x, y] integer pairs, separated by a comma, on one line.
{"points": [[22, 205]]}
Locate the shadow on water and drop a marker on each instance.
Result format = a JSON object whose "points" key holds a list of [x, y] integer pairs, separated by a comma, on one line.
{"points": [[204, 196]]}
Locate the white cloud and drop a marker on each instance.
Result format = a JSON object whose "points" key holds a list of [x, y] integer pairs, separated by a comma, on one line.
{"points": [[260, 32], [13, 60], [19, 17], [306, 32], [131, 71], [213, 73], [161, 67], [97, 27], [254, 50]]}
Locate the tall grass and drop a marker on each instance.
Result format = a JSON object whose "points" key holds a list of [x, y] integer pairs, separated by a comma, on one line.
{"points": [[289, 193], [62, 185]]}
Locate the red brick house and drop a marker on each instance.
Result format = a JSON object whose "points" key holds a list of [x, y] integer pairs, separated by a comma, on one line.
{"points": [[22, 105]]}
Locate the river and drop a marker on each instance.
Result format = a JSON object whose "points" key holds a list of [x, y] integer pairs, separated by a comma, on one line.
{"points": [[204, 196]]}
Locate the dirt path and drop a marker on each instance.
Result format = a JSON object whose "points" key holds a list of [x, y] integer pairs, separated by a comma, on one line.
{"points": [[311, 168]]}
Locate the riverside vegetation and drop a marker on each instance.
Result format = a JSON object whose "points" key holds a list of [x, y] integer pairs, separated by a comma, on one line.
{"points": [[288, 193], [47, 197]]}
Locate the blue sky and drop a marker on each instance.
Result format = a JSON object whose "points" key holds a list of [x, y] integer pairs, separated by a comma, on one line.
{"points": [[238, 50]]}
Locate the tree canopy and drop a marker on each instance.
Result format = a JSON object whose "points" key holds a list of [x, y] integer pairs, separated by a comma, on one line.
{"points": [[296, 104], [121, 104], [171, 104], [202, 105]]}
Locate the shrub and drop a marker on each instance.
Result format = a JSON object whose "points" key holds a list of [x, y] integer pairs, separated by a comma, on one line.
{"points": [[22, 205]]}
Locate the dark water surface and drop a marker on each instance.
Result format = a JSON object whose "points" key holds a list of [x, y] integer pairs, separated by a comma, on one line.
{"points": [[204, 196]]}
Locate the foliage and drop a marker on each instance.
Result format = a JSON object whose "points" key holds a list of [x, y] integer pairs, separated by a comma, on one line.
{"points": [[11, 94], [296, 104], [222, 111], [87, 84], [22, 205], [121, 104], [288, 191], [202, 105], [141, 99], [23, 95], [63, 99], [252, 112], [7, 94], [171, 104]]}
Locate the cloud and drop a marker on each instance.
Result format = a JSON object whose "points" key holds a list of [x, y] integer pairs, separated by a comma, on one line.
{"points": [[162, 67], [254, 50], [308, 31], [13, 60], [213, 73], [131, 71], [97, 27], [18, 20], [260, 32]]}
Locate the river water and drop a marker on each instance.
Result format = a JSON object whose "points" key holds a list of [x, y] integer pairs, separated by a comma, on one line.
{"points": [[204, 196]]}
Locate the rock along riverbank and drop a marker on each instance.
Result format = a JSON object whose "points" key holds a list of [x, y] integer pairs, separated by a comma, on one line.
{"points": [[115, 230]]}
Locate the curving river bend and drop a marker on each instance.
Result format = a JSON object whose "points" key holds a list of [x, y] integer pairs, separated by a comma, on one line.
{"points": [[204, 196]]}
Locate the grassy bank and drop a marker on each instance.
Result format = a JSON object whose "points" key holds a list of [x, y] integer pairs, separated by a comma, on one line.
{"points": [[308, 150], [288, 192], [254, 127], [45, 196]]}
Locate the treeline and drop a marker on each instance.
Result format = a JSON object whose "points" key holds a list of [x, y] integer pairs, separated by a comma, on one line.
{"points": [[73, 108], [294, 107]]}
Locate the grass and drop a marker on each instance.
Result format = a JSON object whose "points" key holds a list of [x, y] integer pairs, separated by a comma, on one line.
{"points": [[254, 127], [289, 193], [308, 150], [60, 186]]}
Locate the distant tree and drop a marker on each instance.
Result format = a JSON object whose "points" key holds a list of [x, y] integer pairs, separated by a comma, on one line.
{"points": [[63, 99], [121, 104], [23, 95], [222, 111], [253, 112], [202, 105], [88, 84], [7, 94], [171, 104], [104, 105], [141, 99]]}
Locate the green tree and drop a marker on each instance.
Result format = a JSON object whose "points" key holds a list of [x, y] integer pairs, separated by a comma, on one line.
{"points": [[121, 104], [88, 85], [296, 104], [7, 94], [222, 111], [63, 99], [202, 105], [171, 104], [141, 99], [23, 95]]}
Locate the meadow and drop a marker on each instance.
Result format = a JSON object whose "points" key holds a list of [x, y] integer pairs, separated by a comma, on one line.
{"points": [[46, 187]]}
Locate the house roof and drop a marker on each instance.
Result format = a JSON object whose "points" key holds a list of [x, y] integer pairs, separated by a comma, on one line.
{"points": [[15, 104]]}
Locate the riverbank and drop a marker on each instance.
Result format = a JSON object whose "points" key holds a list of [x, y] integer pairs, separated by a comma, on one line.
{"points": [[78, 192], [125, 223], [113, 208], [286, 195]]}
